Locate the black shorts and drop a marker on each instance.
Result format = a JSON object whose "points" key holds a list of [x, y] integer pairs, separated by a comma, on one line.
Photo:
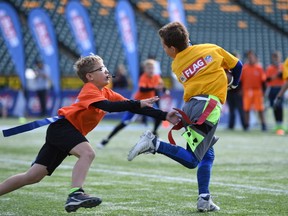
{"points": [[61, 137]]}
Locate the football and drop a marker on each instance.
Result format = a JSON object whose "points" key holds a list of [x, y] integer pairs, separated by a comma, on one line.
{"points": [[229, 77]]}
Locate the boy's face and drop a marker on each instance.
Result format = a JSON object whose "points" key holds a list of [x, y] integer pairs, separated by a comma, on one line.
{"points": [[149, 69], [170, 51], [252, 58], [99, 76], [276, 58]]}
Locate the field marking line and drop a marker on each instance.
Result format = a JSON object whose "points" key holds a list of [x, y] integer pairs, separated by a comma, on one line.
{"points": [[158, 177]]}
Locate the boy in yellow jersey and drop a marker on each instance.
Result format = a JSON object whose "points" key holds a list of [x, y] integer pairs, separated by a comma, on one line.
{"points": [[201, 71]]}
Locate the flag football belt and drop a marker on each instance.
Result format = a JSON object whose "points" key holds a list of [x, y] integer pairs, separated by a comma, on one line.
{"points": [[30, 126], [193, 138]]}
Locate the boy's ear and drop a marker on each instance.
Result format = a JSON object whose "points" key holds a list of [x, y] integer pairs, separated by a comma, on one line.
{"points": [[89, 77], [175, 50]]}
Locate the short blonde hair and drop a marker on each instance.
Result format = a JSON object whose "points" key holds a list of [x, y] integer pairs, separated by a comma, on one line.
{"points": [[149, 62], [85, 65]]}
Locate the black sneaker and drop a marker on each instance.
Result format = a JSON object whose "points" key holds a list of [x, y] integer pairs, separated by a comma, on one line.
{"points": [[79, 199]]}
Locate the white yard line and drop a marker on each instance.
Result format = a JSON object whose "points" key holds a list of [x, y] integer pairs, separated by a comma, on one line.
{"points": [[158, 177]]}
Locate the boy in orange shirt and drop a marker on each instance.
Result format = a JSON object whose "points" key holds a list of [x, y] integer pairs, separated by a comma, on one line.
{"points": [[67, 135], [253, 80], [274, 83], [149, 83]]}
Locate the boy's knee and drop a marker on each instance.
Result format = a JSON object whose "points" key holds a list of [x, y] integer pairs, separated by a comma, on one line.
{"points": [[89, 154], [192, 165]]}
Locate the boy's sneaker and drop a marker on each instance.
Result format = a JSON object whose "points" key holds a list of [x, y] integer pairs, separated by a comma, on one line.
{"points": [[205, 204], [146, 144], [79, 199]]}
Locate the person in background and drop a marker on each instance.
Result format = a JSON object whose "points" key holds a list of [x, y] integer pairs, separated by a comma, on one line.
{"points": [[3, 108], [148, 84], [42, 85], [253, 84], [235, 104], [157, 64], [279, 98], [274, 83], [120, 80]]}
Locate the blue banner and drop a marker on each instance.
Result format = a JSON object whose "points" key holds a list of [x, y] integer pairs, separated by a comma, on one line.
{"points": [[125, 20], [12, 34], [176, 11], [44, 35], [79, 22]]}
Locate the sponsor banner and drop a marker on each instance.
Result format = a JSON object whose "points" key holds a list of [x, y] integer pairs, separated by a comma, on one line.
{"points": [[125, 20], [11, 32], [34, 107], [176, 11], [80, 25], [8, 100], [45, 38], [44, 35]]}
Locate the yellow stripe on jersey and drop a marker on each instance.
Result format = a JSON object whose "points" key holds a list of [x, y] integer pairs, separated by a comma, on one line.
{"points": [[200, 69]]}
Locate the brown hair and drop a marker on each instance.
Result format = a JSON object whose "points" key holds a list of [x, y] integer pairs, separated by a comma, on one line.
{"points": [[85, 65], [175, 34]]}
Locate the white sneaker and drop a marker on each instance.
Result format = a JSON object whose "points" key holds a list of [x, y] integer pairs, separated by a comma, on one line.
{"points": [[146, 144], [100, 146], [205, 204]]}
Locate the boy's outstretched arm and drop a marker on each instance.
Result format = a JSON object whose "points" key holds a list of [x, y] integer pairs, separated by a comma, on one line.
{"points": [[143, 107]]}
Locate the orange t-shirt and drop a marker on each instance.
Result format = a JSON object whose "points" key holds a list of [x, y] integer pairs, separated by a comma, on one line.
{"points": [[84, 116], [252, 76], [146, 81], [271, 71]]}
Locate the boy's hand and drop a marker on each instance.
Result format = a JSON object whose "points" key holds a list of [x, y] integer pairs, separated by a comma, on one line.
{"points": [[173, 117], [277, 102], [148, 102]]}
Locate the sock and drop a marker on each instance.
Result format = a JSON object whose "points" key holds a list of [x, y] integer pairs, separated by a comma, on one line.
{"points": [[204, 171], [157, 144], [72, 190], [203, 194]]}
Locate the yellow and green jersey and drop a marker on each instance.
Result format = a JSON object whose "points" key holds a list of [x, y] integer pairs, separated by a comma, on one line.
{"points": [[200, 69]]}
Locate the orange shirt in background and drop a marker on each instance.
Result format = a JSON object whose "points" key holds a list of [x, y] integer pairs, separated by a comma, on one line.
{"points": [[252, 79], [271, 71], [146, 81], [252, 76]]}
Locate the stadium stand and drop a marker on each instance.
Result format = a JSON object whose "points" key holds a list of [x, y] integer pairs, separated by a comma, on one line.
{"points": [[274, 12], [228, 23]]}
